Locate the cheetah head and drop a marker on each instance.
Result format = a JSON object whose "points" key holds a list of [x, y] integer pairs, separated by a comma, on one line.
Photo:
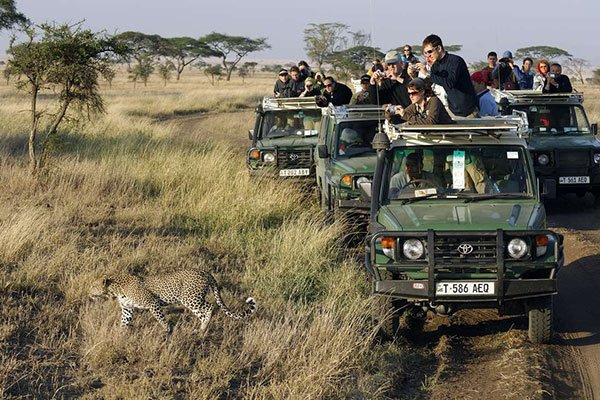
{"points": [[99, 288]]}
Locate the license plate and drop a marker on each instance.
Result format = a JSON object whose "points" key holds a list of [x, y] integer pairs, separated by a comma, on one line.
{"points": [[294, 172], [464, 288], [573, 180]]}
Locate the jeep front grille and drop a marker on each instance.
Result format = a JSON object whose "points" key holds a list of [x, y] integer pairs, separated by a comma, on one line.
{"points": [[573, 158], [294, 159], [446, 250]]}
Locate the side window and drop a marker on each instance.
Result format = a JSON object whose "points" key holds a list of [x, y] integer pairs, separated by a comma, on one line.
{"points": [[330, 134]]}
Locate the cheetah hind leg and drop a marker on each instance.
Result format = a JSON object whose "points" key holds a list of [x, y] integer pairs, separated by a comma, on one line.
{"points": [[204, 312]]}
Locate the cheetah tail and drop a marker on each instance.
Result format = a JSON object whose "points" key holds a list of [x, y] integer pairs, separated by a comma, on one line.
{"points": [[251, 306]]}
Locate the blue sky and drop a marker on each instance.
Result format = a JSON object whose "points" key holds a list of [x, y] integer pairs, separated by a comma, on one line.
{"points": [[480, 26]]}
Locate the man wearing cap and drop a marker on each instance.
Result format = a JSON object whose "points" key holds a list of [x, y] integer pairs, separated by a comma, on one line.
{"points": [[283, 85], [362, 96], [426, 109], [450, 71], [390, 89], [487, 104], [504, 73]]}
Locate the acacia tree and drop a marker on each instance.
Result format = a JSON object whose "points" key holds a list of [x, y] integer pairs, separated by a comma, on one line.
{"points": [[236, 46], [539, 52], [9, 16], [142, 70], [353, 61], [577, 66], [213, 72], [182, 51], [65, 60], [322, 40], [142, 48], [165, 71]]}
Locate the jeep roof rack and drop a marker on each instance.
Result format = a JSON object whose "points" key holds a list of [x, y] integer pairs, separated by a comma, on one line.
{"points": [[358, 111], [289, 103], [514, 125], [535, 96]]}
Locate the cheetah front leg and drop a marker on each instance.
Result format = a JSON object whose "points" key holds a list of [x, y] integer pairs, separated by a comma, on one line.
{"points": [[160, 317]]}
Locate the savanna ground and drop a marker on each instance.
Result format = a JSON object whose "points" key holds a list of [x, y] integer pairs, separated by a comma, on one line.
{"points": [[159, 183]]}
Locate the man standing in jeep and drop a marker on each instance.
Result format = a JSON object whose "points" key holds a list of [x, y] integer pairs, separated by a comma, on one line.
{"points": [[450, 71]]}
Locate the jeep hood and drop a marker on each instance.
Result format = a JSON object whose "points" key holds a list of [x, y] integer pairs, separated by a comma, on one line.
{"points": [[452, 216], [541, 142], [357, 164], [288, 142]]}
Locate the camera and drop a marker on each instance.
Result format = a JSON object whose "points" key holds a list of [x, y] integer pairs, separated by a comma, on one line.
{"points": [[553, 76], [392, 109]]}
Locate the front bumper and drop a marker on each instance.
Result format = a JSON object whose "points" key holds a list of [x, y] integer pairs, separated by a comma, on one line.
{"points": [[506, 288]]}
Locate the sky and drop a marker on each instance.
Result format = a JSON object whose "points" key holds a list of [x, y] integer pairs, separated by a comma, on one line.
{"points": [[480, 26]]}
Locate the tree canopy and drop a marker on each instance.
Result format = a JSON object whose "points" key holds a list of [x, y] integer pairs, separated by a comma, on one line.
{"points": [[9, 16], [182, 51], [539, 52], [322, 40], [237, 46]]}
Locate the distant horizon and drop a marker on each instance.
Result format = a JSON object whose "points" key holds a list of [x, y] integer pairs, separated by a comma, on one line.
{"points": [[478, 33]]}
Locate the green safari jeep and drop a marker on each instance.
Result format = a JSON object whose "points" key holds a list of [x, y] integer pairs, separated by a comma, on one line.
{"points": [[284, 137], [346, 157], [563, 145], [456, 222]]}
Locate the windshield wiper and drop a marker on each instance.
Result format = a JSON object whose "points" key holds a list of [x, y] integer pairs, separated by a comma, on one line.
{"points": [[427, 196], [478, 197]]}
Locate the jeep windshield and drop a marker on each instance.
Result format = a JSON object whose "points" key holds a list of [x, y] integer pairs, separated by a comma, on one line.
{"points": [[297, 123], [556, 119], [354, 138], [472, 173]]}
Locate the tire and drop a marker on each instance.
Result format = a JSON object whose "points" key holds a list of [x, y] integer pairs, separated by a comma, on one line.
{"points": [[387, 317], [539, 313]]}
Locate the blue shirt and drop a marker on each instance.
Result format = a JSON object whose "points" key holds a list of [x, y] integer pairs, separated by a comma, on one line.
{"points": [[487, 104]]}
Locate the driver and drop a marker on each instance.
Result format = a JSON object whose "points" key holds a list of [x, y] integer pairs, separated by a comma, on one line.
{"points": [[414, 177], [349, 138]]}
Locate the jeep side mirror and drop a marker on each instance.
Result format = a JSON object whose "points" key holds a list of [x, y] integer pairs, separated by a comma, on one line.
{"points": [[548, 189], [250, 133], [322, 151], [366, 190], [595, 129]]}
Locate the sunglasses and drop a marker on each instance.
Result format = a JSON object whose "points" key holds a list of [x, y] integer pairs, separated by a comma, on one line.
{"points": [[428, 52], [330, 85], [414, 93], [309, 86], [406, 49]]}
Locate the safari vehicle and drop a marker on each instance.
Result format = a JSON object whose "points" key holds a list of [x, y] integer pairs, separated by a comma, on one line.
{"points": [[346, 157], [457, 222], [563, 145], [284, 137]]}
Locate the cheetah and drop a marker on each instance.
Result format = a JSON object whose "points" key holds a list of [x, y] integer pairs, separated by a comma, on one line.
{"points": [[187, 287]]}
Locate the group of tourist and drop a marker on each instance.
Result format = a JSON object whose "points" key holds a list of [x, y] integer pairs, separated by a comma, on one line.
{"points": [[432, 91]]}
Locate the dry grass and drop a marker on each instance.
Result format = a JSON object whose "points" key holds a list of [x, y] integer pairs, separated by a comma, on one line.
{"points": [[130, 193]]}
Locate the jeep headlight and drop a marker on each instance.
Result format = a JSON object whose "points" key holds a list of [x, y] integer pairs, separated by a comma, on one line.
{"points": [[543, 159], [360, 180], [541, 245], [596, 158], [517, 248], [268, 157], [413, 249]]}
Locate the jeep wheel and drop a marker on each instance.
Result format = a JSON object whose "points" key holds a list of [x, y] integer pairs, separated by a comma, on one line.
{"points": [[539, 312], [387, 317]]}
